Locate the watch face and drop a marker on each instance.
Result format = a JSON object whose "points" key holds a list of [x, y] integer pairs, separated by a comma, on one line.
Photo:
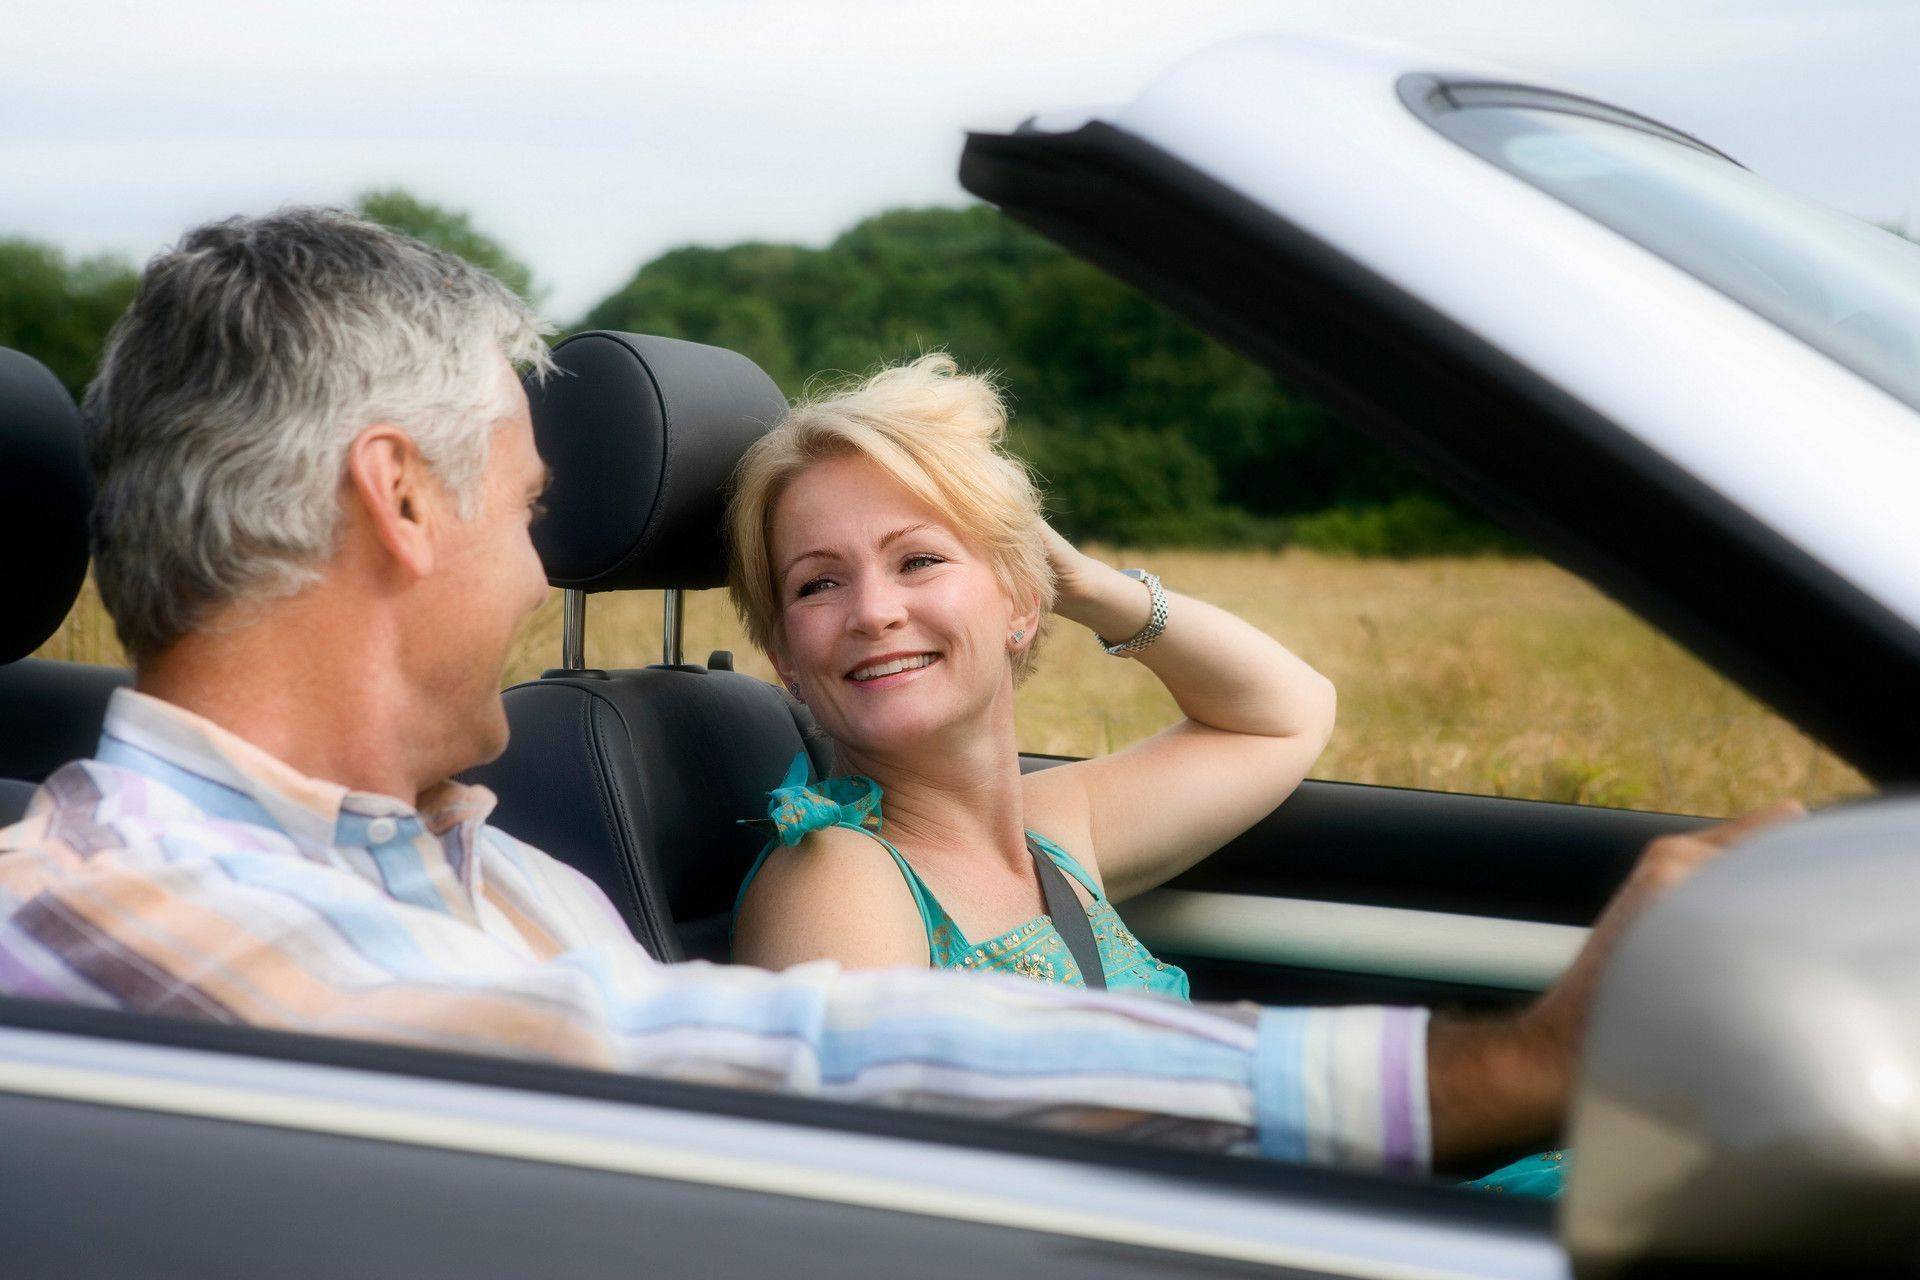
{"points": [[1138, 575]]}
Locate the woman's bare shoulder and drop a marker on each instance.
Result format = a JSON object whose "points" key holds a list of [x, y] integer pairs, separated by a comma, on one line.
{"points": [[836, 895]]}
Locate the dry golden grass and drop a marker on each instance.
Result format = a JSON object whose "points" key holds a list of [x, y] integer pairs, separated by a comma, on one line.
{"points": [[1503, 677]]}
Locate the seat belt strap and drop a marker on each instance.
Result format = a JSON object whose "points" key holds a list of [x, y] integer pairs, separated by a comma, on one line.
{"points": [[1069, 918]]}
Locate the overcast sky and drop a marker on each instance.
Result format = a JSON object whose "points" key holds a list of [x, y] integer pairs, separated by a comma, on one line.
{"points": [[591, 134]]}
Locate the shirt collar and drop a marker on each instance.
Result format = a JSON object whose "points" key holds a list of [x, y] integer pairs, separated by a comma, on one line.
{"points": [[230, 777]]}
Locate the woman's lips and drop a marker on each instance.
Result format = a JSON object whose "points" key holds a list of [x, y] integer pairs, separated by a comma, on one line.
{"points": [[891, 669]]}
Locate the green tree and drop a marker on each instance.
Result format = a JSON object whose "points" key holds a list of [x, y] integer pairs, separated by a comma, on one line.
{"points": [[744, 297], [1092, 349], [447, 229], [1121, 484], [1139, 421], [59, 311]]}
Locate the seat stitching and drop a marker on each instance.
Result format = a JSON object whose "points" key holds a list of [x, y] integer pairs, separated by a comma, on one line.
{"points": [[652, 913], [609, 821]]}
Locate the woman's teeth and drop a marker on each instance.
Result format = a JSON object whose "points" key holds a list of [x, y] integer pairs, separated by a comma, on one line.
{"points": [[894, 667]]}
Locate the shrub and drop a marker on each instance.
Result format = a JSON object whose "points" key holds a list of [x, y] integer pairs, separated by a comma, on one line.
{"points": [[1116, 484], [58, 310], [1414, 525]]}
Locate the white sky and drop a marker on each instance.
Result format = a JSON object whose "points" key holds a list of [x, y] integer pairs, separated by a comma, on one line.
{"points": [[591, 134]]}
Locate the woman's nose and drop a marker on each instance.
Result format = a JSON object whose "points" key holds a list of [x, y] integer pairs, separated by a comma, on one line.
{"points": [[878, 606]]}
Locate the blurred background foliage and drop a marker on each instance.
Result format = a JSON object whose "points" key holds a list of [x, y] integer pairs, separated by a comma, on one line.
{"points": [[451, 230], [1145, 430], [58, 310]]}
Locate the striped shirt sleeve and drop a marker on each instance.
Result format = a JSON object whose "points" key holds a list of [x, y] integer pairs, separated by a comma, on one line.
{"points": [[209, 920]]}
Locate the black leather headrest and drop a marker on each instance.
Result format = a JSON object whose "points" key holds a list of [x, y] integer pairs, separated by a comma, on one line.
{"points": [[642, 434], [45, 495]]}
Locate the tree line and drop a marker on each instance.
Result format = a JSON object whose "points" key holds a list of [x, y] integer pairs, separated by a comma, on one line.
{"points": [[1144, 430]]}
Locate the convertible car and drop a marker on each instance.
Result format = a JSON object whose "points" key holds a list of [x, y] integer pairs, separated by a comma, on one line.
{"points": [[1699, 393]]}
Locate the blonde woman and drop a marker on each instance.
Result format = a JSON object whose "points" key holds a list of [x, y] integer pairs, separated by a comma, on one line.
{"points": [[893, 563]]}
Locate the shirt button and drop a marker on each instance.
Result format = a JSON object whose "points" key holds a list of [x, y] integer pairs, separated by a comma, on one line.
{"points": [[381, 830]]}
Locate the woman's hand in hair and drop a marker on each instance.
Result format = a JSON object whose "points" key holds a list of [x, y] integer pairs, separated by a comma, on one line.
{"points": [[1067, 561], [1093, 593]]}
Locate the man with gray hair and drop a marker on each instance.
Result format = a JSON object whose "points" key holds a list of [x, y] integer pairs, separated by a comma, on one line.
{"points": [[316, 474], [314, 478]]}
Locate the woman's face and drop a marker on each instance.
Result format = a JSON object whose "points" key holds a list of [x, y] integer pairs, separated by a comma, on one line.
{"points": [[895, 627]]}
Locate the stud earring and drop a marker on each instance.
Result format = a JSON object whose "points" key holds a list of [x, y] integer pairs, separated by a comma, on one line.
{"points": [[1018, 636], [793, 687]]}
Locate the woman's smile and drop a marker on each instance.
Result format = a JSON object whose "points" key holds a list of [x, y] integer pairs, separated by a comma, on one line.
{"points": [[889, 670]]}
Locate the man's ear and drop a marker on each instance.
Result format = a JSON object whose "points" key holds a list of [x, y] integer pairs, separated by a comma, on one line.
{"points": [[389, 479]]}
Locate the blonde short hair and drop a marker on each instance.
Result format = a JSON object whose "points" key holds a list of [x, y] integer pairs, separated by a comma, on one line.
{"points": [[937, 431]]}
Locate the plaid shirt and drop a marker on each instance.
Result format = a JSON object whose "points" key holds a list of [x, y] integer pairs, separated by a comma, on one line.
{"points": [[183, 871]]}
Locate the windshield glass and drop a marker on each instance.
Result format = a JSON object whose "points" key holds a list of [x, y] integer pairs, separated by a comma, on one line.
{"points": [[1844, 286]]}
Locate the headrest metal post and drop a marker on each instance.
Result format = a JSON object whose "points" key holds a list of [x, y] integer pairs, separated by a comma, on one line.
{"points": [[573, 630], [673, 624]]}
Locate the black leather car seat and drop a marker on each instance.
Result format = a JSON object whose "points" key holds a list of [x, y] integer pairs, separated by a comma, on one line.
{"points": [[640, 778], [50, 712]]}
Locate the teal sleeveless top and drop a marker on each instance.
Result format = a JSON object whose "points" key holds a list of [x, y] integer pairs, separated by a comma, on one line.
{"points": [[1034, 949]]}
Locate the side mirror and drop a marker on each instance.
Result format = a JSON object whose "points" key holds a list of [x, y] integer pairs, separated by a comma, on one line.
{"points": [[1750, 1100]]}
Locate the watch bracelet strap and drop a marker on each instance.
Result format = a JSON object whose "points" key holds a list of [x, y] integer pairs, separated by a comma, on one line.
{"points": [[1156, 621]]}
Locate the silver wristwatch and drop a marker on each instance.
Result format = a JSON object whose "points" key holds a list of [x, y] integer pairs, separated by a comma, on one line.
{"points": [[1156, 621]]}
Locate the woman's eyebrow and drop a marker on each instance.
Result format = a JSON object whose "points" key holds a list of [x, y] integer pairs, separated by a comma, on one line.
{"points": [[897, 534], [818, 553], [821, 553]]}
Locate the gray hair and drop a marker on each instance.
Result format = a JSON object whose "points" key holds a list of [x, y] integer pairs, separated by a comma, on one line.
{"points": [[253, 353]]}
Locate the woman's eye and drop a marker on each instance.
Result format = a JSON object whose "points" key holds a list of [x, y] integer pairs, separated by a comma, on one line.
{"points": [[812, 585], [921, 561]]}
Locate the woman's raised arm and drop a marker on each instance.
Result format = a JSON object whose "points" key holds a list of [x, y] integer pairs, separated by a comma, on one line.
{"points": [[1256, 718]]}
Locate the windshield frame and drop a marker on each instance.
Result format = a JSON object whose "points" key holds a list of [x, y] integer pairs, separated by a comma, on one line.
{"points": [[1429, 98], [1436, 103]]}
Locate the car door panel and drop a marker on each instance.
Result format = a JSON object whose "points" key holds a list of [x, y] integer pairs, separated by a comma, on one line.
{"points": [[1340, 937], [246, 1201], [1349, 892], [1356, 892], [1436, 851], [301, 1156]]}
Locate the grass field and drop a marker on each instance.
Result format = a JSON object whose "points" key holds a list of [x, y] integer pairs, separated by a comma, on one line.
{"points": [[1505, 677]]}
